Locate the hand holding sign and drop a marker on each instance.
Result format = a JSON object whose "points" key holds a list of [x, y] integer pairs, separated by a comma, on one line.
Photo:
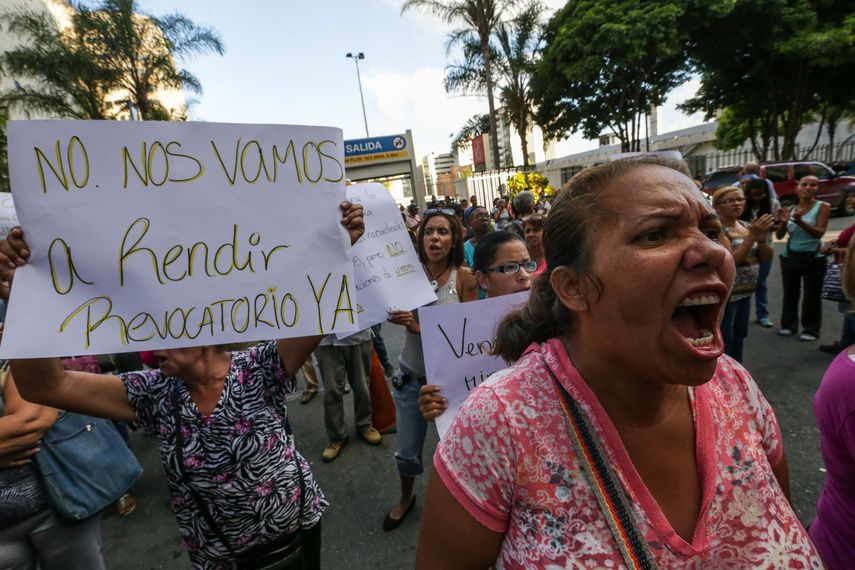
{"points": [[458, 343], [387, 272]]}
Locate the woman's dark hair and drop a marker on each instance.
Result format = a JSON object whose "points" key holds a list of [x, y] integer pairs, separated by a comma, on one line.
{"points": [[765, 202], [456, 253], [485, 251], [567, 243]]}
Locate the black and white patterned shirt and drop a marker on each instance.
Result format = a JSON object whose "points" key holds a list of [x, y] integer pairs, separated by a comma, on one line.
{"points": [[240, 459]]}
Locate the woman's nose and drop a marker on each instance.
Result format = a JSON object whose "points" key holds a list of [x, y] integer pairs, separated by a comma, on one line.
{"points": [[703, 251]]}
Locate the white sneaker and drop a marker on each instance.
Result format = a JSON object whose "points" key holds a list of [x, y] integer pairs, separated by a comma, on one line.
{"points": [[807, 337], [786, 332]]}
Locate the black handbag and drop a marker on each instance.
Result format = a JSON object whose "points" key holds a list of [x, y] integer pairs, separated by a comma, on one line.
{"points": [[282, 553]]}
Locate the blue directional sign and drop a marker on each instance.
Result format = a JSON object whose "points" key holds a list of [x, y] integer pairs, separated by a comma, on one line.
{"points": [[372, 149]]}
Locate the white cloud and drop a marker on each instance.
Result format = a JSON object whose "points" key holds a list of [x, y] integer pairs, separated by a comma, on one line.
{"points": [[417, 101], [672, 119]]}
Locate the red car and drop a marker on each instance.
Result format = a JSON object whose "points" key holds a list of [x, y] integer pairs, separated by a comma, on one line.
{"points": [[785, 176]]}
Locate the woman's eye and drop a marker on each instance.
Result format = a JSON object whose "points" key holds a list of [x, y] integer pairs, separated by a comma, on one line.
{"points": [[652, 237]]}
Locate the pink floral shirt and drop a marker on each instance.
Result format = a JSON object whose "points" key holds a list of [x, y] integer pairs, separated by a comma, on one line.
{"points": [[509, 461]]}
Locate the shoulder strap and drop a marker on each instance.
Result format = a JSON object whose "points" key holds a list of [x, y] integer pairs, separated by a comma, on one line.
{"points": [[179, 451], [604, 483], [200, 503]]}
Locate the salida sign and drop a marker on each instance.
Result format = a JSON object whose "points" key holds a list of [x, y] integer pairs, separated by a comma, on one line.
{"points": [[374, 149]]}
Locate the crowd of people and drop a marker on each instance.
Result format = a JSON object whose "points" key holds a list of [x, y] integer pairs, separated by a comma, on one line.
{"points": [[624, 433]]}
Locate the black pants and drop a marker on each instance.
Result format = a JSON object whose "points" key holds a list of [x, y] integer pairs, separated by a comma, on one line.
{"points": [[795, 273], [311, 555]]}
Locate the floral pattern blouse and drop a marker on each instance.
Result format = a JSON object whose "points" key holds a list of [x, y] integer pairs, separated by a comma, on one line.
{"points": [[509, 461], [241, 459]]}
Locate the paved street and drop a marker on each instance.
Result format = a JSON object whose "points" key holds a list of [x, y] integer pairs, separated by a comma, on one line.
{"points": [[362, 484]]}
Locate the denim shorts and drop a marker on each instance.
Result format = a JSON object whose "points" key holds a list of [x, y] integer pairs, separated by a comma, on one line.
{"points": [[412, 428]]}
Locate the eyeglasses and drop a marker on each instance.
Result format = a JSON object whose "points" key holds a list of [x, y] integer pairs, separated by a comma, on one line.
{"points": [[514, 267], [432, 211], [730, 201]]}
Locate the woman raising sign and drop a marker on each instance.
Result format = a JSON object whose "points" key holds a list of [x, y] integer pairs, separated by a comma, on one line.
{"points": [[440, 247], [621, 436], [243, 496]]}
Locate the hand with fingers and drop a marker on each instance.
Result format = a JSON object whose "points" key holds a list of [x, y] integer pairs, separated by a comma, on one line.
{"points": [[18, 458], [431, 403], [14, 253], [405, 319], [760, 226], [352, 219]]}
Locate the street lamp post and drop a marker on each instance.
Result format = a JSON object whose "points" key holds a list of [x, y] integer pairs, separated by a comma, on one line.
{"points": [[356, 58]]}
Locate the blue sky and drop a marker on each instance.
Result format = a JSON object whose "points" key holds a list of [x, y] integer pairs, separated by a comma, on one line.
{"points": [[285, 63]]}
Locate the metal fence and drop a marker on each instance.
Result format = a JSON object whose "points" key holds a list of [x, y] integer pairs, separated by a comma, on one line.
{"points": [[490, 185], [829, 154]]}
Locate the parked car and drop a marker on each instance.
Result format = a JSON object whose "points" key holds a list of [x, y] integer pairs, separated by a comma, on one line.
{"points": [[714, 180], [785, 176]]}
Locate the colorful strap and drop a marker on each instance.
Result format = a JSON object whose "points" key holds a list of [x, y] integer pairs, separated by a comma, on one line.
{"points": [[604, 483]]}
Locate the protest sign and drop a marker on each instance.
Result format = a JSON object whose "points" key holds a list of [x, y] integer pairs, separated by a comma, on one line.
{"points": [[8, 216], [386, 267], [149, 235], [457, 341]]}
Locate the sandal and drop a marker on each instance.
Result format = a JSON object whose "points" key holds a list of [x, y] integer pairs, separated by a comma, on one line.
{"points": [[308, 395], [125, 505]]}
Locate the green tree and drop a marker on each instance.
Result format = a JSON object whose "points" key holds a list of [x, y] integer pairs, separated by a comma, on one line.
{"points": [[67, 78], [479, 19], [144, 49], [605, 64], [774, 63]]}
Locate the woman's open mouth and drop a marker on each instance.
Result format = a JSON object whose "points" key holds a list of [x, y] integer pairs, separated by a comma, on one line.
{"points": [[696, 319]]}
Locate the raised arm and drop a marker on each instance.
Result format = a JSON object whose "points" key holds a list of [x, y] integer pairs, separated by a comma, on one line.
{"points": [[44, 381], [821, 226]]}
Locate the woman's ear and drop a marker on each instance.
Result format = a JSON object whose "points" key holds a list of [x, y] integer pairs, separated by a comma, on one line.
{"points": [[481, 279], [570, 289]]}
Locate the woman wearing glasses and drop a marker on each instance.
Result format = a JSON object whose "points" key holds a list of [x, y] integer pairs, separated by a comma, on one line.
{"points": [[502, 266], [749, 246], [440, 247]]}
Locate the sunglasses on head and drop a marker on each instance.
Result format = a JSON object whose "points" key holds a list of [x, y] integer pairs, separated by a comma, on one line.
{"points": [[432, 211]]}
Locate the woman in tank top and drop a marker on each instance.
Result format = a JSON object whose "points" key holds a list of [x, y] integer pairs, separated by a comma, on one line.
{"points": [[440, 246], [801, 261]]}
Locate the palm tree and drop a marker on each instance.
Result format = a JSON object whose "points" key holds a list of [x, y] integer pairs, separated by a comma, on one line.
{"points": [[68, 79], [144, 48], [480, 19], [519, 41], [513, 52]]}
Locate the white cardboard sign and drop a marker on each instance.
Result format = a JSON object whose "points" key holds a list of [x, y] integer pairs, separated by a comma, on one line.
{"points": [[8, 215], [387, 273], [149, 235], [457, 340]]}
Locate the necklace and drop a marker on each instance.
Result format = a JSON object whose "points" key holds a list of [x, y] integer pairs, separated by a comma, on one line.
{"points": [[435, 278]]}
